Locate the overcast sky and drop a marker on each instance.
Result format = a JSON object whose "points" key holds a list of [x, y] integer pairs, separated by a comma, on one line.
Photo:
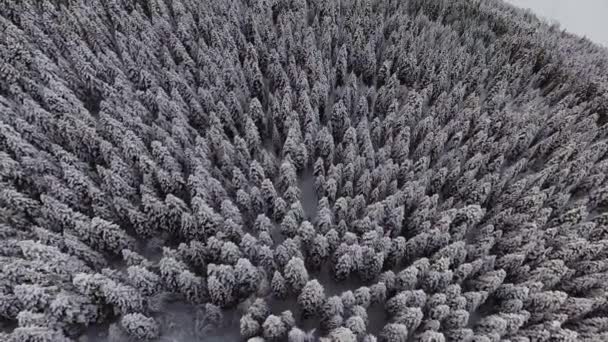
{"points": [[584, 17]]}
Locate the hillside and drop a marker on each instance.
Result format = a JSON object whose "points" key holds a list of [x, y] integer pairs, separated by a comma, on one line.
{"points": [[290, 170]]}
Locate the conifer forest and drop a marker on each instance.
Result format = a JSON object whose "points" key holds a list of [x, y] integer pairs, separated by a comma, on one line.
{"points": [[299, 171]]}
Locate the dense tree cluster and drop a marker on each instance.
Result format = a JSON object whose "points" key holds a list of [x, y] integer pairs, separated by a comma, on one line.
{"points": [[359, 170]]}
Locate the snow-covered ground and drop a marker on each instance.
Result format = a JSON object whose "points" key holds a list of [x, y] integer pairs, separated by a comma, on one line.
{"points": [[583, 17]]}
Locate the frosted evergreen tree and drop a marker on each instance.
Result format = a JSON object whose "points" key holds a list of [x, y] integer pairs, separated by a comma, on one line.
{"points": [[394, 332], [208, 318], [295, 274], [246, 276], [249, 327], [274, 328], [221, 282], [342, 334], [311, 298], [342, 65], [140, 326]]}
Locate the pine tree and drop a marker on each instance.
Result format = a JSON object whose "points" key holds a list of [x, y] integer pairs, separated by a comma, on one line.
{"points": [[273, 328], [318, 251], [342, 334], [246, 276], [311, 298], [140, 326], [249, 327], [295, 274], [342, 65], [33, 297], [371, 264], [297, 335], [394, 332], [208, 318], [73, 308], [339, 121], [378, 293], [343, 267], [221, 282], [144, 280]]}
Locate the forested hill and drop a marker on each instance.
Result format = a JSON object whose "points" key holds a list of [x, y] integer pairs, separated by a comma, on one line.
{"points": [[290, 170]]}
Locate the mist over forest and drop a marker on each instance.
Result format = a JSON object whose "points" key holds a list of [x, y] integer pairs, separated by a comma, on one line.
{"points": [[291, 170]]}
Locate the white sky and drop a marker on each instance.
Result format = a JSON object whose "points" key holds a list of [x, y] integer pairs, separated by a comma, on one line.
{"points": [[583, 17]]}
